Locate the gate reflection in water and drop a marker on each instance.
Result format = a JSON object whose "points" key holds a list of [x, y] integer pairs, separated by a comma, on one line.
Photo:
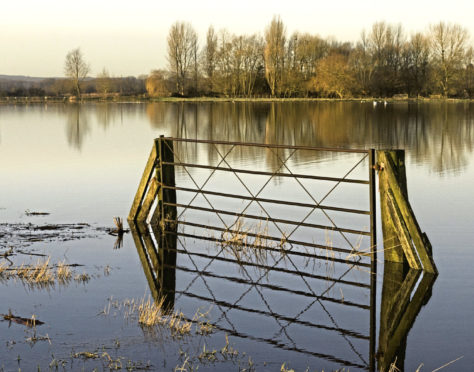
{"points": [[178, 265]]}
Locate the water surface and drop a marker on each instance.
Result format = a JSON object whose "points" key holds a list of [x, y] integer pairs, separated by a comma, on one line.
{"points": [[83, 163]]}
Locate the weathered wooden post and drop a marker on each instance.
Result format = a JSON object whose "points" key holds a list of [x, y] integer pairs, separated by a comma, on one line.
{"points": [[165, 212], [404, 242], [393, 250]]}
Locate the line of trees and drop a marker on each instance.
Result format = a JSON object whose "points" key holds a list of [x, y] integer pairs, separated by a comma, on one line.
{"points": [[77, 82], [383, 63], [59, 87]]}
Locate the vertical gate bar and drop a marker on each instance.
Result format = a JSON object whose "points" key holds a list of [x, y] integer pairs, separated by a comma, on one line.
{"points": [[373, 260], [167, 195]]}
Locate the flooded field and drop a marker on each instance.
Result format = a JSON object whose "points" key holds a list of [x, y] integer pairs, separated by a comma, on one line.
{"points": [[216, 291]]}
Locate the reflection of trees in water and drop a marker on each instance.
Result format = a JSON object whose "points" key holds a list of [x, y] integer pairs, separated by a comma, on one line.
{"points": [[106, 114], [77, 126], [438, 133]]}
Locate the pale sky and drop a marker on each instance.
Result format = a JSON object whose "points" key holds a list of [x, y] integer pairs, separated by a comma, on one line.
{"points": [[129, 37]]}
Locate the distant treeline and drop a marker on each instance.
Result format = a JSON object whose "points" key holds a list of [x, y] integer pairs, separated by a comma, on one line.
{"points": [[59, 87], [385, 62]]}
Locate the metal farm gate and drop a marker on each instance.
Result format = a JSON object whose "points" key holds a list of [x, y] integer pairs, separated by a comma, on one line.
{"points": [[257, 231]]}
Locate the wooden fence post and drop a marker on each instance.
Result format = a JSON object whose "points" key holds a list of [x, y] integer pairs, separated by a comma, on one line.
{"points": [[165, 214], [404, 242], [393, 250]]}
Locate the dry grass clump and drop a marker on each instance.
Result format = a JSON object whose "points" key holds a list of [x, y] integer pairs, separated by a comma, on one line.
{"points": [[3, 269], [119, 225], [251, 244], [243, 236], [150, 313], [82, 278], [39, 273], [42, 274], [63, 272]]}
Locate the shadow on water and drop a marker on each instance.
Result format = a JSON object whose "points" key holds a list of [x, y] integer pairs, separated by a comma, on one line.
{"points": [[404, 293]]}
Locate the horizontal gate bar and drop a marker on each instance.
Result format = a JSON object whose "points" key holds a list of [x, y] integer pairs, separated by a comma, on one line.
{"points": [[296, 253], [273, 238], [273, 201], [250, 144], [261, 173], [262, 218]]}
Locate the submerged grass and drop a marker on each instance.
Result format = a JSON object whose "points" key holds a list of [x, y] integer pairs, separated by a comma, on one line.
{"points": [[42, 274], [63, 272], [39, 274], [150, 313], [251, 243]]}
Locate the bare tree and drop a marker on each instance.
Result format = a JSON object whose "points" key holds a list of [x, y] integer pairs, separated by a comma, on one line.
{"points": [[469, 73], [224, 64], [448, 44], [275, 40], [76, 69], [361, 64], [385, 46], [210, 56], [182, 52], [416, 59], [103, 82], [252, 62]]}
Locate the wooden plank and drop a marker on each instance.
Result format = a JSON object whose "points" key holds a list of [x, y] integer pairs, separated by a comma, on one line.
{"points": [[147, 174], [409, 218], [396, 219], [148, 201], [393, 251]]}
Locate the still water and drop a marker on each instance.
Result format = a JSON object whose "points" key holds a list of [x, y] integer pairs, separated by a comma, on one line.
{"points": [[82, 164]]}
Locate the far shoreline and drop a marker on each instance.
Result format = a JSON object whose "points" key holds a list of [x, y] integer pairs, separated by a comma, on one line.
{"points": [[146, 99]]}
